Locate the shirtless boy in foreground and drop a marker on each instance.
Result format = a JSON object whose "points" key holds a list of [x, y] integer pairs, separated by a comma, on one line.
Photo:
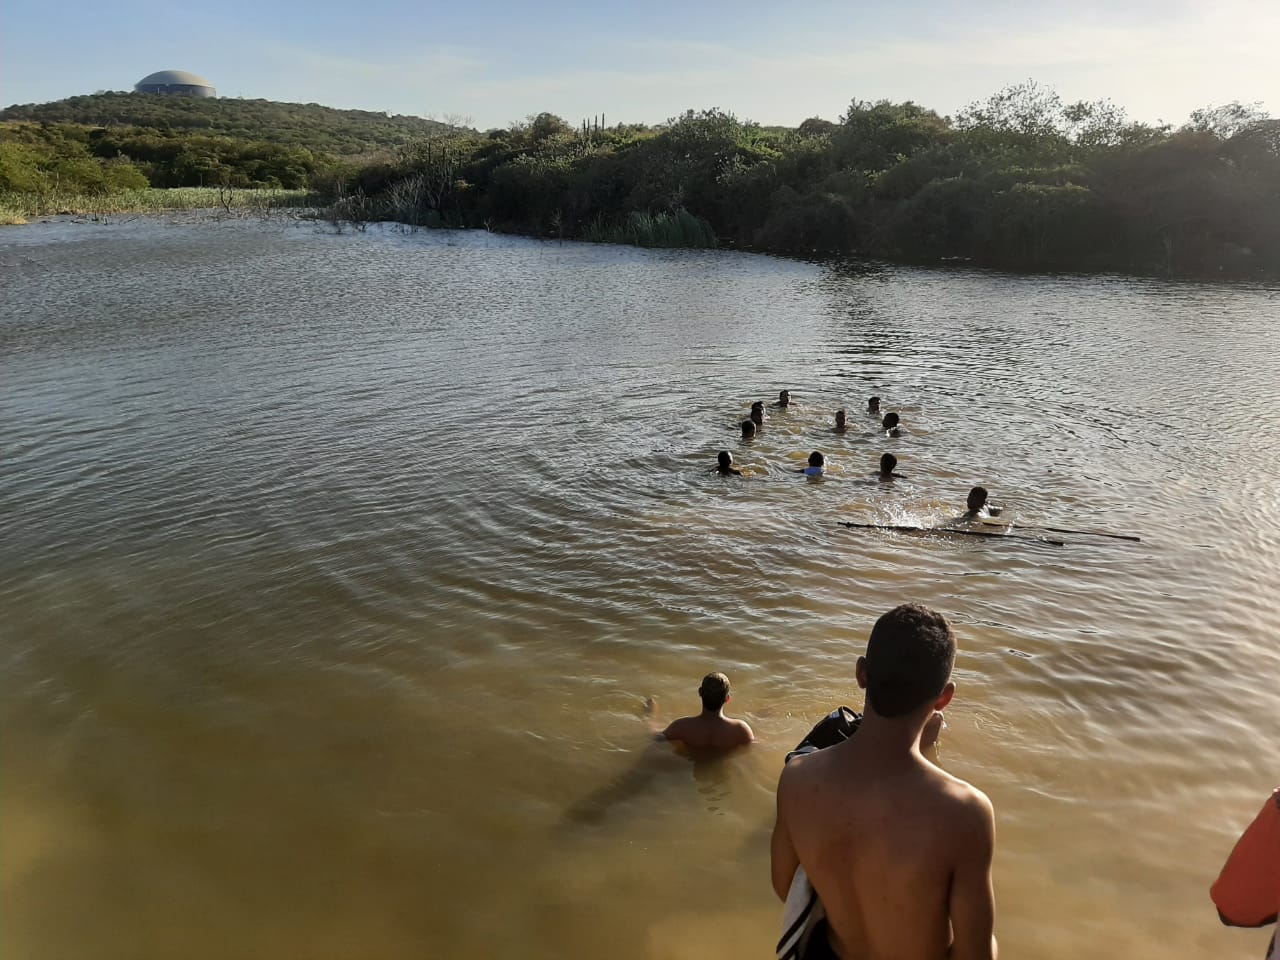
{"points": [[898, 850], [711, 729]]}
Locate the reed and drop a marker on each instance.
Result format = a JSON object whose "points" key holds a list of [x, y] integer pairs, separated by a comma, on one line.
{"points": [[678, 229], [150, 200], [10, 215]]}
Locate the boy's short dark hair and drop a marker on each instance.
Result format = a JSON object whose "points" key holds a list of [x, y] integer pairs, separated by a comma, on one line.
{"points": [[977, 498], [714, 691], [909, 659], [891, 420], [887, 462]]}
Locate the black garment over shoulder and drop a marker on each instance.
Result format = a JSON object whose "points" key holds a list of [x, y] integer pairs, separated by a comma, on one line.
{"points": [[840, 724]]}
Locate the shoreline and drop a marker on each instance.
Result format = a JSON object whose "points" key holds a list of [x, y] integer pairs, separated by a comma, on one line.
{"points": [[24, 210]]}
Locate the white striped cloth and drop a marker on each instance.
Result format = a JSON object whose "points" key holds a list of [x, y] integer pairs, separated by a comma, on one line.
{"points": [[801, 913]]}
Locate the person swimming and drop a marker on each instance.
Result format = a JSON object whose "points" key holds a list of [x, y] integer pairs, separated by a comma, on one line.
{"points": [[890, 425], [887, 462], [873, 405], [784, 399], [976, 505], [841, 425], [757, 414], [724, 465], [817, 465], [711, 729], [748, 430]]}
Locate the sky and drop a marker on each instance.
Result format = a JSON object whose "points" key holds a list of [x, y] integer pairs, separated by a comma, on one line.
{"points": [[491, 64]]}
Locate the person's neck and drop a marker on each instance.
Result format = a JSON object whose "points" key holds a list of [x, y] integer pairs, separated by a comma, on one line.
{"points": [[717, 714], [889, 739]]}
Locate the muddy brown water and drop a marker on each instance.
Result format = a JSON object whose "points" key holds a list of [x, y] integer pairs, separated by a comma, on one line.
{"points": [[334, 570]]}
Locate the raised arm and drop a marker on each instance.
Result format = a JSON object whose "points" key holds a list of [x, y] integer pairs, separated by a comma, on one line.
{"points": [[656, 727], [973, 903]]}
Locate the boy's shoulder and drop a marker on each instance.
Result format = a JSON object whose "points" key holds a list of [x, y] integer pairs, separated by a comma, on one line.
{"points": [[961, 799], [742, 729]]}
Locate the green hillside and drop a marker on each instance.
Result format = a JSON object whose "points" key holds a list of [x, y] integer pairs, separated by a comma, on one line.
{"points": [[307, 125]]}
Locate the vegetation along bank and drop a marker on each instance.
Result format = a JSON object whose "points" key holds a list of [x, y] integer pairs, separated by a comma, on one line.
{"points": [[1021, 181]]}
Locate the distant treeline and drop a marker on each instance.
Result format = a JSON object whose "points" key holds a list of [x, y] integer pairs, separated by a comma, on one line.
{"points": [[66, 158], [1020, 181], [323, 130]]}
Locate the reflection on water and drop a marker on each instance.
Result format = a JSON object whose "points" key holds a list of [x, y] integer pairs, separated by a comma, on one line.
{"points": [[335, 570], [660, 768]]}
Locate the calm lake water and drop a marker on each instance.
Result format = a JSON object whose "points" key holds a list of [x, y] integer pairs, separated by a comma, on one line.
{"points": [[334, 571]]}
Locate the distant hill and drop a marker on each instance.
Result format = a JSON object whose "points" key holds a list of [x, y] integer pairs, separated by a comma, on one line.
{"points": [[309, 125]]}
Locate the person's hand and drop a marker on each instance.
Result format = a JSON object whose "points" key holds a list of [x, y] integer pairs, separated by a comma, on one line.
{"points": [[932, 727], [650, 707]]}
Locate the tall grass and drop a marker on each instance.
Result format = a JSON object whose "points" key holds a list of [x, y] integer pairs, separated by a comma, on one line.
{"points": [[679, 229], [18, 206]]}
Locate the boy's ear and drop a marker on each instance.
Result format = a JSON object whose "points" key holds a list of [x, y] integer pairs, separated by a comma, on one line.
{"points": [[944, 698], [860, 671]]}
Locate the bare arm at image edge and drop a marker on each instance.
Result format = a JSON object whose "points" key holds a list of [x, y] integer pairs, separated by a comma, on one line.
{"points": [[783, 860], [1247, 892], [973, 905]]}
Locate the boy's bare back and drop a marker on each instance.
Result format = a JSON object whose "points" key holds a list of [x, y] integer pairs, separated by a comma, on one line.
{"points": [[898, 851], [900, 854], [709, 732], [711, 729]]}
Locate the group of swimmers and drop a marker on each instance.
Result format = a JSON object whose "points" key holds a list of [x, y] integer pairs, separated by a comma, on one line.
{"points": [[878, 852], [891, 424], [976, 506]]}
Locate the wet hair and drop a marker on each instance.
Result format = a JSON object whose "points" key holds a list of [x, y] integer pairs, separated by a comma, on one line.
{"points": [[724, 459], [977, 498], [840, 415], [758, 405], [784, 396], [891, 420], [887, 462], [757, 414], [816, 459], [874, 404], [714, 691], [909, 659], [748, 428]]}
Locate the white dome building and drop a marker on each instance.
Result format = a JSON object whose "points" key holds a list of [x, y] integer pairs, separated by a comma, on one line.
{"points": [[176, 82]]}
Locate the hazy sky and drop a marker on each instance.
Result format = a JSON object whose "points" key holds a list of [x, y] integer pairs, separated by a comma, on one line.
{"points": [[775, 63]]}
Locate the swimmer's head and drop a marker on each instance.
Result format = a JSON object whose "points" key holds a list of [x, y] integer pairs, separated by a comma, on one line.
{"points": [[887, 463], [891, 420], [977, 498], [784, 397], [816, 459], [757, 413], [873, 405], [724, 459], [840, 420], [714, 691], [748, 429]]}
